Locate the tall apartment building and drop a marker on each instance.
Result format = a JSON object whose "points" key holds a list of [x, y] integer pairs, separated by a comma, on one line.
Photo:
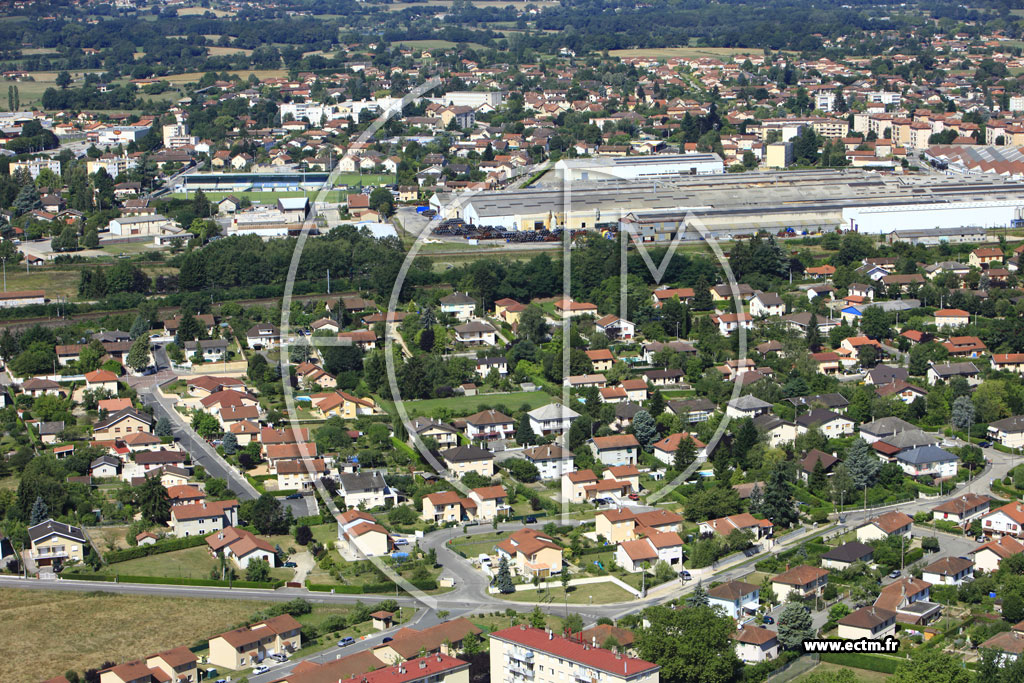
{"points": [[521, 653]]}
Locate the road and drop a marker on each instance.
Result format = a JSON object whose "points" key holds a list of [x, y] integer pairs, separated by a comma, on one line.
{"points": [[202, 453], [470, 595]]}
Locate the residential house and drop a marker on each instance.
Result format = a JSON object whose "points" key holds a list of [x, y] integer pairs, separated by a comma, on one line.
{"points": [[1008, 432], [574, 485], [888, 524], [832, 425], [736, 598], [1007, 520], [619, 449], [927, 460], [365, 490], [813, 457], [908, 597], [949, 571], [747, 406], [615, 328], [489, 424], [693, 410], [949, 318], [531, 553], [459, 305], [444, 507], [844, 556], [767, 304], [1010, 362], [962, 509], [602, 359], [875, 623], [520, 649], [801, 581], [491, 502], [359, 535], [551, 461], [55, 543], [744, 521], [199, 519], [126, 421], [241, 546], [250, 645], [989, 555], [982, 257], [755, 644], [553, 418], [728, 323], [442, 434], [263, 336], [665, 449], [463, 459], [179, 664]]}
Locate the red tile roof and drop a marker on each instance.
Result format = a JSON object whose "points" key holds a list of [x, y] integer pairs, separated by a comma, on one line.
{"points": [[563, 648]]}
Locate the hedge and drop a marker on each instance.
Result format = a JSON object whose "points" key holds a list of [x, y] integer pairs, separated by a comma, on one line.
{"points": [[862, 660], [427, 585], [172, 581], [164, 546]]}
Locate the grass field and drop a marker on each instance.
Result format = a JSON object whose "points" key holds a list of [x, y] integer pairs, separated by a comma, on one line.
{"points": [[602, 594], [191, 563], [52, 280], [80, 631], [217, 51], [193, 77], [436, 44], [862, 674], [467, 405]]}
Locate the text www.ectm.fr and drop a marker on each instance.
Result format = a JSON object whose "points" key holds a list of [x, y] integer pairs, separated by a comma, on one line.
{"points": [[889, 645]]}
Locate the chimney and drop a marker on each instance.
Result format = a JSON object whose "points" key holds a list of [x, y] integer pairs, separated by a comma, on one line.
{"points": [[423, 664], [594, 641]]}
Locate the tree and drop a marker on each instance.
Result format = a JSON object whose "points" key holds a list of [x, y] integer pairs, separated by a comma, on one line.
{"points": [[644, 429], [40, 512], [686, 453], [537, 618], [573, 623], [230, 443], [867, 356], [522, 469], [267, 515], [813, 335], [503, 580], [702, 300], [692, 645], [818, 481], [163, 427], [875, 323], [863, 466], [27, 199], [63, 80], [258, 570], [795, 626], [139, 328], [656, 404], [524, 432], [532, 324], [138, 354], [931, 665], [382, 201], [303, 534], [205, 425], [153, 502], [778, 498], [962, 414], [426, 341], [699, 596]]}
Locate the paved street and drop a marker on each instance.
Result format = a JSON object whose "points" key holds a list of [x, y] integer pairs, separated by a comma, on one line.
{"points": [[202, 453]]}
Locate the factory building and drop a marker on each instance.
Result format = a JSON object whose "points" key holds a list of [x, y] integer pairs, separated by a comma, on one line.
{"points": [[730, 205], [659, 166]]}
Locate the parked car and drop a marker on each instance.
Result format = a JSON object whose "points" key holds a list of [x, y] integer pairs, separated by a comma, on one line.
{"points": [[261, 669], [531, 519], [685, 575], [634, 496], [985, 444], [485, 561], [895, 574], [401, 541], [294, 496], [387, 639], [767, 619], [346, 641], [980, 539], [278, 657], [290, 564]]}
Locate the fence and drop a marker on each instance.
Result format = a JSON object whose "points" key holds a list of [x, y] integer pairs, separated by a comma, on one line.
{"points": [[791, 670]]}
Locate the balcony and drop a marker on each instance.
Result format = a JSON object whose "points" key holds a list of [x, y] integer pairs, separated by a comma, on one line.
{"points": [[520, 670], [521, 655]]}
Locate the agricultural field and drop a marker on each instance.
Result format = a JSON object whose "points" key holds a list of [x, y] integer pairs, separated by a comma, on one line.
{"points": [[682, 52], [83, 630], [467, 405]]}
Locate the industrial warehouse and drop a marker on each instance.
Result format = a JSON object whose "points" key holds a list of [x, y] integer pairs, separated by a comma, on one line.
{"points": [[727, 205]]}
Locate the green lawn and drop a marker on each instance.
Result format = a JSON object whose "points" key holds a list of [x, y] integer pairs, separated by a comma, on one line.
{"points": [[467, 405], [601, 593], [191, 563], [474, 546]]}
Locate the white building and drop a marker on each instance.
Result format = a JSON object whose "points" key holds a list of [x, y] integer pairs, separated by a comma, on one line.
{"points": [[736, 598], [34, 166], [551, 461], [554, 418]]}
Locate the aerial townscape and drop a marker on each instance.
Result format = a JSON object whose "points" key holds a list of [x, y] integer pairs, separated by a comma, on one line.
{"points": [[456, 341]]}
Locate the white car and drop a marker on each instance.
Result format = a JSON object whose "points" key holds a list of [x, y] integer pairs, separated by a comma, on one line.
{"points": [[260, 670]]}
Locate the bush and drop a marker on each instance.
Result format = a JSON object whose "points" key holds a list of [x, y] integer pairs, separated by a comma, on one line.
{"points": [[164, 546], [930, 544]]}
